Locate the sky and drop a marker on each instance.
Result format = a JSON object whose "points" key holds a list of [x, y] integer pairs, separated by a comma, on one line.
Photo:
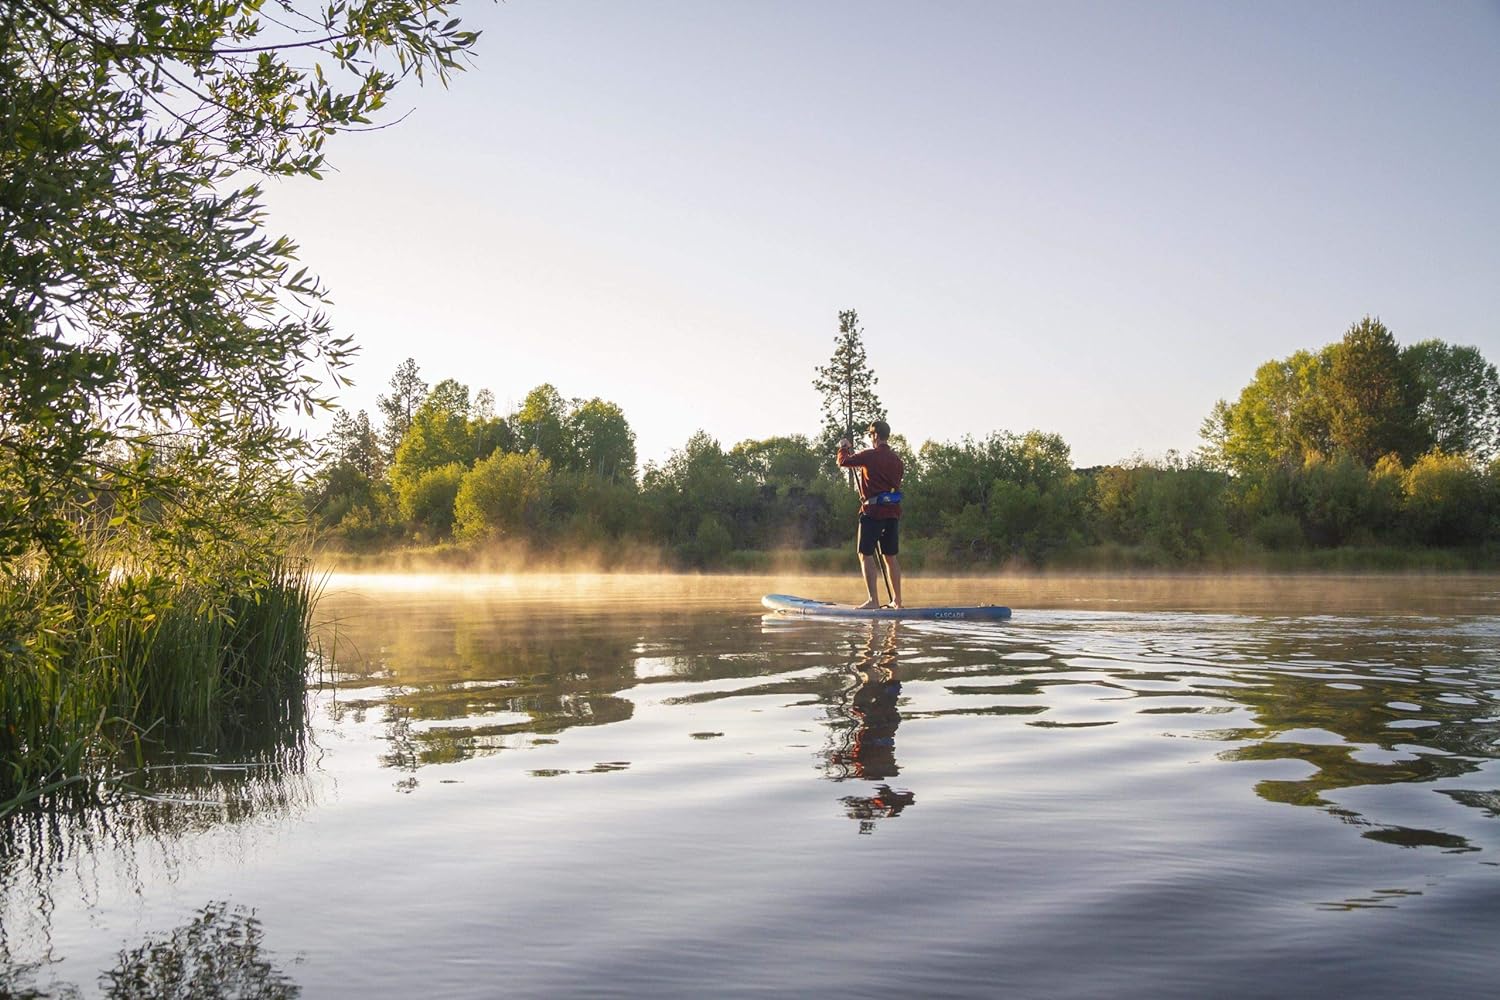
{"points": [[1090, 219]]}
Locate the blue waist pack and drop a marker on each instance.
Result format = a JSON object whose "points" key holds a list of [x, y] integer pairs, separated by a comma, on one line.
{"points": [[881, 499]]}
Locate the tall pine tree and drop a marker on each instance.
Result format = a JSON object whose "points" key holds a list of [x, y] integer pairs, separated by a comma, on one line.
{"points": [[847, 384], [408, 393]]}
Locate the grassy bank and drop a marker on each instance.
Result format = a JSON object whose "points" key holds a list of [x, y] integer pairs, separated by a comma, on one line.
{"points": [[96, 670], [919, 555]]}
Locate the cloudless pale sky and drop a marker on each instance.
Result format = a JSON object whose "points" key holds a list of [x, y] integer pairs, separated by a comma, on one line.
{"points": [[1094, 219]]}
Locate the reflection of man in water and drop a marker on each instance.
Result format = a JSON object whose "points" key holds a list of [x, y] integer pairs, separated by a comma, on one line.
{"points": [[865, 743]]}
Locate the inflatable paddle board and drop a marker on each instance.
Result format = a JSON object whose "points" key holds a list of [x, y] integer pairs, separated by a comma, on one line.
{"points": [[785, 604]]}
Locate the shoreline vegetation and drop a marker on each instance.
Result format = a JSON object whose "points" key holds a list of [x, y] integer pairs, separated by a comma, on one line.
{"points": [[449, 483], [918, 558], [1362, 455], [104, 675], [157, 338]]}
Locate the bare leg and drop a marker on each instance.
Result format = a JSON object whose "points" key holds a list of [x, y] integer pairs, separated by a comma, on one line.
{"points": [[893, 567], [871, 570]]}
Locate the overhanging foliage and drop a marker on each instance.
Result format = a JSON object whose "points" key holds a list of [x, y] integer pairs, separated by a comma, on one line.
{"points": [[154, 333]]}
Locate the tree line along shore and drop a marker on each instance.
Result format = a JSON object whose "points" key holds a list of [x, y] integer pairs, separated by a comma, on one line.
{"points": [[1360, 455]]}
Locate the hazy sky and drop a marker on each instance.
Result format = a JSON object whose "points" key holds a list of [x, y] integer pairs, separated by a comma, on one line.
{"points": [[1094, 219]]}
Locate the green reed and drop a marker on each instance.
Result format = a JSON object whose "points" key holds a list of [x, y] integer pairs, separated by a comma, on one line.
{"points": [[96, 670]]}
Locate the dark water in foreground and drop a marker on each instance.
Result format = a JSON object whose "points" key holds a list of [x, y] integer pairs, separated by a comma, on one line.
{"points": [[611, 788]]}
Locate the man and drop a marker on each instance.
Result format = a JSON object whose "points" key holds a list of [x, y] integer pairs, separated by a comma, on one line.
{"points": [[880, 471]]}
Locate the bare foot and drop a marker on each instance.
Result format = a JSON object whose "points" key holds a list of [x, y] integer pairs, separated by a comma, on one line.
{"points": [[895, 607], [868, 605]]}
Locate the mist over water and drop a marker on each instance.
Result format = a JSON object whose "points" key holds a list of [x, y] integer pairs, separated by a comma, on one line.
{"points": [[611, 785]]}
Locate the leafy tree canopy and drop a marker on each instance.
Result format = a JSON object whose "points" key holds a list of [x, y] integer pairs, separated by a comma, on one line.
{"points": [[1279, 416], [602, 442], [1364, 397], [504, 494], [1460, 391], [779, 461], [1371, 397], [439, 433], [143, 305], [541, 424]]}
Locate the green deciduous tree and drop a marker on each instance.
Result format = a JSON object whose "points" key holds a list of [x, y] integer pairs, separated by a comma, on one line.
{"points": [[1010, 495], [1445, 500], [1460, 398], [439, 434], [491, 434], [144, 308], [1335, 500], [600, 441], [779, 462], [1371, 396], [1363, 396], [586, 510], [541, 424], [796, 504], [1278, 418], [696, 480], [504, 495], [427, 498]]}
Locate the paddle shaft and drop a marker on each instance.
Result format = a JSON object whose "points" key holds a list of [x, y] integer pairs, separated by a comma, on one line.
{"points": [[884, 575]]}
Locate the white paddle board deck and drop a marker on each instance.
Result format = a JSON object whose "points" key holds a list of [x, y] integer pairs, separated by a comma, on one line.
{"points": [[785, 604]]}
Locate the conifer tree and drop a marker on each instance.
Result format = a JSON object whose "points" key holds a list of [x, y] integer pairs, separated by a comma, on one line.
{"points": [[847, 384], [408, 393]]}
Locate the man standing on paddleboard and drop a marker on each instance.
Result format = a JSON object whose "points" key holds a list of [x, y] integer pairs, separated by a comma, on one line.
{"points": [[880, 471]]}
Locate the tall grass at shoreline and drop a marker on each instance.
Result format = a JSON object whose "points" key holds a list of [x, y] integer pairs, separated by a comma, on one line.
{"points": [[97, 671]]}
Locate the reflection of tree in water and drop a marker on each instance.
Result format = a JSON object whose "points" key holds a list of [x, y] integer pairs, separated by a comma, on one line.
{"points": [[220, 953], [252, 775], [454, 683], [862, 726], [246, 775], [217, 954], [1363, 703], [1368, 710], [471, 680]]}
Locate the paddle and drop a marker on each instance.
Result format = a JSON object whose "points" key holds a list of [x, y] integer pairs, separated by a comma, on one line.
{"points": [[890, 595]]}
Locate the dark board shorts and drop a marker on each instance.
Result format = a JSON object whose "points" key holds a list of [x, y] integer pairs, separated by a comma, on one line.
{"points": [[885, 530]]}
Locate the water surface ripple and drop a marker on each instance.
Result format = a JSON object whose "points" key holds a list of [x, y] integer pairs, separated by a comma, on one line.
{"points": [[1129, 790]]}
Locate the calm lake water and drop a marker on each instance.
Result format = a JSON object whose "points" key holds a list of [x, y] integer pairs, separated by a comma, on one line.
{"points": [[643, 787]]}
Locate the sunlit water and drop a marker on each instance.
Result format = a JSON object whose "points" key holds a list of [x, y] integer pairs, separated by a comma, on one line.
{"points": [[602, 787]]}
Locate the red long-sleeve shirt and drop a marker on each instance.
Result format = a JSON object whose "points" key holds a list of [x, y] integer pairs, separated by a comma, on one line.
{"points": [[880, 471]]}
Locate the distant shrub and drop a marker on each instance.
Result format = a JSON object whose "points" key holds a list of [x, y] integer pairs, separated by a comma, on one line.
{"points": [[427, 500], [1444, 500], [1334, 499], [711, 542], [362, 525], [1277, 533], [504, 494], [1176, 509]]}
